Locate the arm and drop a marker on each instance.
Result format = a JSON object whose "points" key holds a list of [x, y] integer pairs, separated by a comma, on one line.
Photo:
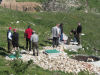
{"points": [[38, 38], [31, 38], [18, 37], [25, 34], [10, 35]]}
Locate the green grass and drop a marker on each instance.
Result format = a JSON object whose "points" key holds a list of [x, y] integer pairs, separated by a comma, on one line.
{"points": [[94, 5], [42, 22]]}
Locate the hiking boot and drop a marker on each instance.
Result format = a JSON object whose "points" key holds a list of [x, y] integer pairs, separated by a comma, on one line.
{"points": [[33, 54], [37, 54]]}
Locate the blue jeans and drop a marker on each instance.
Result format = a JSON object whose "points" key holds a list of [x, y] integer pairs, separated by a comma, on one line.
{"points": [[61, 37], [75, 40]]}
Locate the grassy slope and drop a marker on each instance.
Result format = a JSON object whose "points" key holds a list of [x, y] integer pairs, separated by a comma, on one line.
{"points": [[44, 21], [94, 3]]}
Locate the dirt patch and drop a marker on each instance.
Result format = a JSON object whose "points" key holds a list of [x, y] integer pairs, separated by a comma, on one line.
{"points": [[21, 6], [86, 58]]}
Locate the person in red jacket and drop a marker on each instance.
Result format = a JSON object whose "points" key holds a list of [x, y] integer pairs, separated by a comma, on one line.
{"points": [[28, 33]]}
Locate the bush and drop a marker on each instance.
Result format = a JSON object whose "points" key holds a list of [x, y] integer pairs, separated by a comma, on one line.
{"points": [[19, 66]]}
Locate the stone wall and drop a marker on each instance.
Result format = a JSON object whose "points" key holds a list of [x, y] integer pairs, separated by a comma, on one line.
{"points": [[60, 5]]}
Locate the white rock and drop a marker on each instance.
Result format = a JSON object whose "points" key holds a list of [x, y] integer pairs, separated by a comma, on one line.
{"points": [[17, 22]]}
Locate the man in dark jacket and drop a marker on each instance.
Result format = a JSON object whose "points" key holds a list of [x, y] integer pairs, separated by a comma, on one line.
{"points": [[15, 39], [79, 31], [9, 39], [28, 33], [61, 29]]}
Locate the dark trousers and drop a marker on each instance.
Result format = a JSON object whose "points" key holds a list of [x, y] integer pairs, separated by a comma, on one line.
{"points": [[9, 45], [35, 47], [55, 41], [69, 40], [61, 37], [28, 44], [78, 38]]}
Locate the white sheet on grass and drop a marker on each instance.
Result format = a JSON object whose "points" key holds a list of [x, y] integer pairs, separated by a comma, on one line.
{"points": [[65, 37]]}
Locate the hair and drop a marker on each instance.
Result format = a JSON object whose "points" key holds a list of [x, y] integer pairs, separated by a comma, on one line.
{"points": [[32, 32], [61, 23], [29, 26], [79, 23]]}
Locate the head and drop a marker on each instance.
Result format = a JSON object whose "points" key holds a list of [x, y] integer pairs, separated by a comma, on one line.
{"points": [[57, 25], [61, 24], [70, 33], [74, 29], [79, 24], [14, 30], [29, 26], [10, 28], [33, 32]]}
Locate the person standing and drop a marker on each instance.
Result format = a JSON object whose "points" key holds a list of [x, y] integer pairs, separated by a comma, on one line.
{"points": [[56, 35], [9, 39], [27, 35], [34, 39], [15, 39], [79, 31], [61, 29]]}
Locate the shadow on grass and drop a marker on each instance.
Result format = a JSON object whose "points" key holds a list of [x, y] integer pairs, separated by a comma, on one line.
{"points": [[3, 52], [48, 42], [22, 47], [42, 44], [4, 73], [45, 43]]}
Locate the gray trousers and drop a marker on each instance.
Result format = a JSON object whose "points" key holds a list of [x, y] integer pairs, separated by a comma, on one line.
{"points": [[35, 47], [9, 45]]}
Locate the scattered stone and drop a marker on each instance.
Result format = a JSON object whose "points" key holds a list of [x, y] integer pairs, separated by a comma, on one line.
{"points": [[73, 47], [82, 34], [17, 22], [60, 62]]}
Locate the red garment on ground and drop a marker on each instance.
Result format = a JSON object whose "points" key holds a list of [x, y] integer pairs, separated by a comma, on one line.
{"points": [[28, 32]]}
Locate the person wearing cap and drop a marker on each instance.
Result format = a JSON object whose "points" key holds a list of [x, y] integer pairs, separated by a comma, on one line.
{"points": [[9, 39], [79, 31], [27, 35], [15, 39], [34, 39]]}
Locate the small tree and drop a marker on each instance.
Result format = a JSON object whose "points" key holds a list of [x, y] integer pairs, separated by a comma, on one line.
{"points": [[19, 66]]}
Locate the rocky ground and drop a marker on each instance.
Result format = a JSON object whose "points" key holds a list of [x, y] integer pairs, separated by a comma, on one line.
{"points": [[59, 61], [61, 5]]}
